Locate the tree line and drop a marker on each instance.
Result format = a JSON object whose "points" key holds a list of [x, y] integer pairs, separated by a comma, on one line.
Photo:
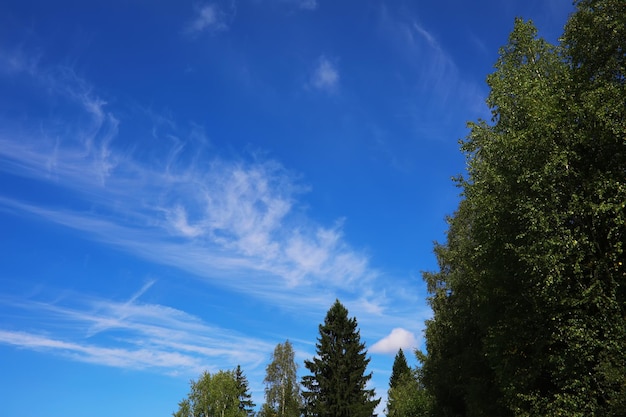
{"points": [[335, 387], [529, 300]]}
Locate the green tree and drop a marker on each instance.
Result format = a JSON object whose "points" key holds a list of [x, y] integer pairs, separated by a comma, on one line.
{"points": [[456, 373], [214, 395], [408, 399], [595, 40], [399, 370], [530, 298], [337, 384], [406, 396], [246, 405], [282, 391], [516, 192]]}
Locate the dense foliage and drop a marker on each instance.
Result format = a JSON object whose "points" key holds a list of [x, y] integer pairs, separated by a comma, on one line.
{"points": [[213, 395], [530, 298], [337, 384]]}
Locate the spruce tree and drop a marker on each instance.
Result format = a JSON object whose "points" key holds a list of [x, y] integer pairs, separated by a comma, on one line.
{"points": [[400, 370], [337, 386], [246, 405], [400, 375]]}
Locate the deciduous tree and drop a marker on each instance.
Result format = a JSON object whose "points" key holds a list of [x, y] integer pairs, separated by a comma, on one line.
{"points": [[214, 395], [530, 298], [282, 391]]}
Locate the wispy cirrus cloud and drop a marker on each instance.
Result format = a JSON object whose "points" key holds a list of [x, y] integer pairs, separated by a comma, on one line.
{"points": [[179, 204], [235, 223], [434, 72], [108, 356], [129, 334]]}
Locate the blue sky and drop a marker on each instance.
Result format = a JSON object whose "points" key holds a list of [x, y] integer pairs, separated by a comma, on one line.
{"points": [[183, 185]]}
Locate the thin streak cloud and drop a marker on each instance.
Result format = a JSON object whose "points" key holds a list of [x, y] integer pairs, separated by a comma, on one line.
{"points": [[434, 70], [115, 357], [152, 336]]}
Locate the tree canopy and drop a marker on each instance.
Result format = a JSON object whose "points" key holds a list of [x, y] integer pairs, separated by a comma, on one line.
{"points": [[530, 298], [212, 395]]}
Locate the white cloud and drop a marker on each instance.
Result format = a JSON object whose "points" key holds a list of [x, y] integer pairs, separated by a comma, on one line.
{"points": [[325, 76], [398, 339], [178, 220]]}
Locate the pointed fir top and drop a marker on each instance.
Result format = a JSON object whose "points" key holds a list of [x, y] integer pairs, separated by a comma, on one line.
{"points": [[400, 369]]}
